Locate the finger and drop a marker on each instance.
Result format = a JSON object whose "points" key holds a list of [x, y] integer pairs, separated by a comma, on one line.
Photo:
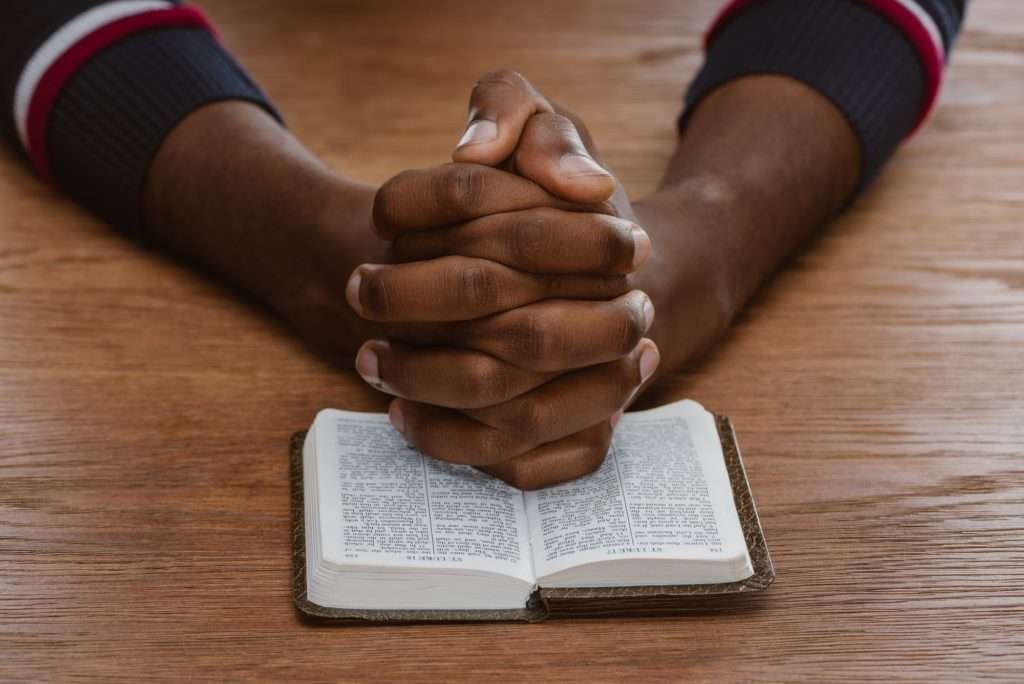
{"points": [[459, 288], [552, 154], [563, 460], [574, 401], [443, 376], [454, 193], [548, 336], [499, 107], [455, 436], [540, 240], [449, 435]]}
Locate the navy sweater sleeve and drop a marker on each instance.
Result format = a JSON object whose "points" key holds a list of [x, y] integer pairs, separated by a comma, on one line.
{"points": [[879, 61], [91, 89]]}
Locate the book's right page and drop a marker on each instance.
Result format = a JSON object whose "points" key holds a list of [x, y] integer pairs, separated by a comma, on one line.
{"points": [[663, 493]]}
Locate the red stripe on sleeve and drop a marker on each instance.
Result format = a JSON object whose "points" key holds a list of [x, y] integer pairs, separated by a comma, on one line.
{"points": [[932, 56], [65, 66]]}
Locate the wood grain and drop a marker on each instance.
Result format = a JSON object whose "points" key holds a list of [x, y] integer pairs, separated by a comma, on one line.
{"points": [[877, 386]]}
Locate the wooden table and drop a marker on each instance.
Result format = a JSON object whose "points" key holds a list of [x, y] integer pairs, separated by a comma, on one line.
{"points": [[877, 385]]}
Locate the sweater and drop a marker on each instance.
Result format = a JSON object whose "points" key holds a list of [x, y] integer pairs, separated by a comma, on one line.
{"points": [[91, 88]]}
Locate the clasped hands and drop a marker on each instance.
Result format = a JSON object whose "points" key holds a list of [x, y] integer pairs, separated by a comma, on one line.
{"points": [[507, 299], [514, 339]]}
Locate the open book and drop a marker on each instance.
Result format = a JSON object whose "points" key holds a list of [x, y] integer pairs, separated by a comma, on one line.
{"points": [[388, 529]]}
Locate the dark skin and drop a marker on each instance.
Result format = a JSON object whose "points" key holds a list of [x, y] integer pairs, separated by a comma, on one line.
{"points": [[507, 298]]}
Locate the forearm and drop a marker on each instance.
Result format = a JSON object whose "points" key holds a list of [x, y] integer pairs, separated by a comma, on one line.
{"points": [[796, 107], [234, 191], [139, 113], [763, 162]]}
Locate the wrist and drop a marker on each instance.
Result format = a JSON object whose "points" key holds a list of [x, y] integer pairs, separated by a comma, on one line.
{"points": [[337, 239], [698, 220], [763, 161], [693, 275], [234, 191]]}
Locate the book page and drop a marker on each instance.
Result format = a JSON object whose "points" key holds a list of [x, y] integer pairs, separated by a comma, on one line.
{"points": [[662, 492], [382, 503]]}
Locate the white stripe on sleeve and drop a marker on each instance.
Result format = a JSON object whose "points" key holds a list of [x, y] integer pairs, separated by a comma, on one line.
{"points": [[60, 41], [927, 22]]}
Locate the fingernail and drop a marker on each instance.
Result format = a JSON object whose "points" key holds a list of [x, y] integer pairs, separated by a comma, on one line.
{"points": [[368, 364], [616, 417], [641, 246], [580, 165], [352, 292], [648, 310], [396, 417], [482, 131], [649, 360]]}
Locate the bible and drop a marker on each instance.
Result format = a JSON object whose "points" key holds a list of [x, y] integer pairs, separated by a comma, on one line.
{"points": [[384, 533]]}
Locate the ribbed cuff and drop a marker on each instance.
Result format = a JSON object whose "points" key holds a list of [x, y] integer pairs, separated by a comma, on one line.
{"points": [[848, 52], [112, 116]]}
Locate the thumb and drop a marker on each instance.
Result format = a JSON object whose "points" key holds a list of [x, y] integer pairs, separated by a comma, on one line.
{"points": [[552, 154], [499, 107]]}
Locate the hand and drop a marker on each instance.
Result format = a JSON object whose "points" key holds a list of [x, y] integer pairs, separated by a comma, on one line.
{"points": [[762, 162], [412, 303], [508, 397]]}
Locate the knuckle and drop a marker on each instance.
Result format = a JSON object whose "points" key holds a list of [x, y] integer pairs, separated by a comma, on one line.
{"points": [[527, 419], [532, 340], [486, 382], [386, 208], [528, 241], [463, 187], [494, 446], [614, 244], [477, 287], [626, 329], [557, 124], [376, 294]]}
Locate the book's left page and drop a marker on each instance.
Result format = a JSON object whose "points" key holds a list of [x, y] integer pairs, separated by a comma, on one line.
{"points": [[376, 507]]}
